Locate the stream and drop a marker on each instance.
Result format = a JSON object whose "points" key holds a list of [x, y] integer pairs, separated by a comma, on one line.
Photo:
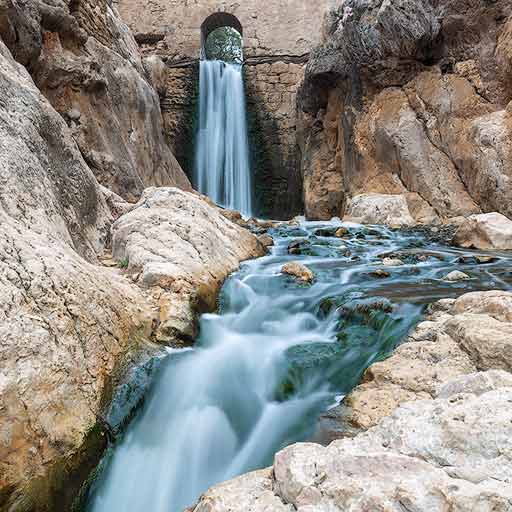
{"points": [[277, 355]]}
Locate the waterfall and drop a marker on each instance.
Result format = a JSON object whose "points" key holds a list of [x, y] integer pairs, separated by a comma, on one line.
{"points": [[222, 169]]}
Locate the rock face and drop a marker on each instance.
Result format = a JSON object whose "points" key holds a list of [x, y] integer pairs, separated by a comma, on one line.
{"points": [[440, 436], [86, 62], [488, 231], [399, 100], [70, 328], [462, 336]]}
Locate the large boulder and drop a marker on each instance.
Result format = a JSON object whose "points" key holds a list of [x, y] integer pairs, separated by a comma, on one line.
{"points": [[87, 63], [182, 248], [486, 231], [429, 456], [379, 209]]}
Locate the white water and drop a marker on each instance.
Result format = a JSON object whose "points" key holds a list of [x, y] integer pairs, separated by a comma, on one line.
{"points": [[222, 169], [215, 411], [212, 414]]}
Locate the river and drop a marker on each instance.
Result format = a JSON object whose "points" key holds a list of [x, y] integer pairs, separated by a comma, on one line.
{"points": [[276, 355]]}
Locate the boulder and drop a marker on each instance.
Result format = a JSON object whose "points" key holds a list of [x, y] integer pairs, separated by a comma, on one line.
{"points": [[386, 209], [183, 249], [301, 272], [456, 275], [485, 231], [428, 456], [392, 262]]}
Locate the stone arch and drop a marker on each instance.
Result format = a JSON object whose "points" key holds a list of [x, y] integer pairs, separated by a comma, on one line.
{"points": [[218, 20]]}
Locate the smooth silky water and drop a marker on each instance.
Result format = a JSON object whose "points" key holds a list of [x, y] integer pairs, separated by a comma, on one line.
{"points": [[222, 169], [275, 357]]}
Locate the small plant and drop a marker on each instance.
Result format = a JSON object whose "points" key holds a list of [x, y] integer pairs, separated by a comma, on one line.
{"points": [[123, 263]]}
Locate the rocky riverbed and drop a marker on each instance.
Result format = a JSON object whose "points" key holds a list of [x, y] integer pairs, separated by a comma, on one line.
{"points": [[331, 300]]}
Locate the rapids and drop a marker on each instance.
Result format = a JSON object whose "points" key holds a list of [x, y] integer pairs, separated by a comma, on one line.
{"points": [[277, 355], [222, 170]]}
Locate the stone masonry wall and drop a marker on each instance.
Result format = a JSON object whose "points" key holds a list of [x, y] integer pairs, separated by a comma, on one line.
{"points": [[277, 36]]}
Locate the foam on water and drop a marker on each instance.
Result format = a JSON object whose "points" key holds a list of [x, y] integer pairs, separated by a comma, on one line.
{"points": [[271, 361]]}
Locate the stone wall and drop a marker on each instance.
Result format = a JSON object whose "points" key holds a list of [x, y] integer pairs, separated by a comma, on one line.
{"points": [[271, 105], [278, 36]]}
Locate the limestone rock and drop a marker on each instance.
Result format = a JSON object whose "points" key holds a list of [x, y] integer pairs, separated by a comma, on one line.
{"points": [[456, 275], [428, 456], [182, 248], [486, 231], [86, 62], [464, 335], [301, 272], [68, 327], [379, 209], [377, 115], [392, 262]]}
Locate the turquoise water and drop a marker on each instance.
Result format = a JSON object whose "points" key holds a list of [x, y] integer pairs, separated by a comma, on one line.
{"points": [[276, 356]]}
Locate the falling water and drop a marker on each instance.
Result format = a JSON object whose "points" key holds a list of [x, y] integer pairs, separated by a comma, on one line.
{"points": [[222, 169], [277, 355]]}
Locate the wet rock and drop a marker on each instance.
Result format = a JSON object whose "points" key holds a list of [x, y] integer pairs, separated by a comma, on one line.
{"points": [[301, 272], [392, 262], [486, 231], [326, 232], [379, 274], [342, 232], [456, 275], [386, 209], [266, 240]]}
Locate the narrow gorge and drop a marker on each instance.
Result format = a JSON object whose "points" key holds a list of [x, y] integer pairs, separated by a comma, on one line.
{"points": [[255, 256]]}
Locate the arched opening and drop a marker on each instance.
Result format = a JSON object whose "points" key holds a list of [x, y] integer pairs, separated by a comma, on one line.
{"points": [[221, 38]]}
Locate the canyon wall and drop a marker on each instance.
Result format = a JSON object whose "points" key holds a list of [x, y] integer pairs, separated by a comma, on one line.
{"points": [[410, 98], [87, 64], [277, 37]]}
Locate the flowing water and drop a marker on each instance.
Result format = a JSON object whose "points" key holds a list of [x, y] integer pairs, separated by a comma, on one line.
{"points": [[222, 169], [276, 356]]}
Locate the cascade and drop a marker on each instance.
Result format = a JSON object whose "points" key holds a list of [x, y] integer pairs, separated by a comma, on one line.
{"points": [[275, 356], [222, 169]]}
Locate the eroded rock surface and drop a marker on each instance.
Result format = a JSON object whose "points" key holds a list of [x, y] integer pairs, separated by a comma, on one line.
{"points": [[69, 327], [183, 249], [379, 209], [87, 63], [428, 456], [487, 231], [410, 97], [474, 333]]}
